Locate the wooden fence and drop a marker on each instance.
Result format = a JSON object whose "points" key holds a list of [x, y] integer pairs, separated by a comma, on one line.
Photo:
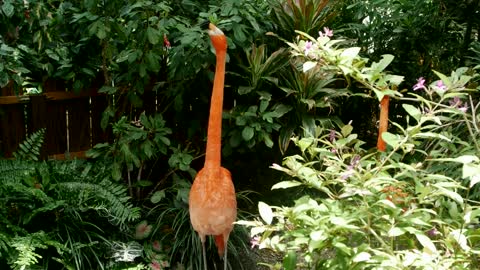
{"points": [[71, 120]]}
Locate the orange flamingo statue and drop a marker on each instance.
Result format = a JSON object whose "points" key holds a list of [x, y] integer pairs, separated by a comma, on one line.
{"points": [[383, 123], [212, 201]]}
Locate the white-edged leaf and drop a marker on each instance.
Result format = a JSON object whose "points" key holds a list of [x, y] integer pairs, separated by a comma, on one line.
{"points": [[396, 231], [413, 111], [426, 243], [286, 184], [460, 238], [474, 180], [308, 65], [470, 170], [265, 212], [362, 257]]}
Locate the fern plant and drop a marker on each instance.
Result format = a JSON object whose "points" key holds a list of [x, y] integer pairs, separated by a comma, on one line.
{"points": [[65, 213], [30, 148]]}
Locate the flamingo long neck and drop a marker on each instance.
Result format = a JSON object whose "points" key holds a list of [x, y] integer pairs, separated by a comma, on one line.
{"points": [[214, 132]]}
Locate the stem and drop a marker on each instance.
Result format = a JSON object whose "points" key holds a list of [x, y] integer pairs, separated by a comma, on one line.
{"points": [[139, 177], [130, 190]]}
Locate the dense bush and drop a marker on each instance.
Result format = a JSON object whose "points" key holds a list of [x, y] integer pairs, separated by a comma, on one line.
{"points": [[415, 205]]}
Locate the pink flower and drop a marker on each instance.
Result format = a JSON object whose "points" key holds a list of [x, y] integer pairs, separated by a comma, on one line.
{"points": [[440, 85], [156, 246], [457, 103], [420, 84], [308, 47], [155, 265], [255, 241], [327, 32], [143, 230]]}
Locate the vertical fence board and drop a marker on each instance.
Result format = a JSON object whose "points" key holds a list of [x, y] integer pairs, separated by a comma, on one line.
{"points": [[12, 121], [98, 105], [20, 115], [79, 124], [38, 118], [56, 135]]}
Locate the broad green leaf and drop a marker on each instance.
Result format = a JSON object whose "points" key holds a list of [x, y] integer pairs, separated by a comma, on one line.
{"points": [[152, 35], [470, 170], [308, 65], [247, 133], [475, 179], [351, 52], [290, 261], [413, 111], [460, 238], [8, 9], [431, 135], [396, 231], [383, 63], [362, 257], [267, 140], [107, 90], [451, 194], [157, 196], [265, 212], [391, 139], [144, 183], [286, 184], [305, 143], [426, 243], [101, 30], [347, 130], [443, 78], [318, 235]]}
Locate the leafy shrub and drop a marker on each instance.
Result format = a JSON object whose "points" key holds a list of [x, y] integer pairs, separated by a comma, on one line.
{"points": [[413, 206], [59, 213]]}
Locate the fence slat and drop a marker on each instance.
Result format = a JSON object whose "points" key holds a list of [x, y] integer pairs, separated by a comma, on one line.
{"points": [[79, 124]]}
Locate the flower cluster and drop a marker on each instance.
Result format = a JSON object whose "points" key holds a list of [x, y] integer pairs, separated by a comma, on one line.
{"points": [[309, 45], [440, 87]]}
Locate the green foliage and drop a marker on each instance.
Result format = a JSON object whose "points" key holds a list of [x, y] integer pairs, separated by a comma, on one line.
{"points": [[30, 148], [136, 143], [56, 214], [423, 35], [408, 207], [308, 16]]}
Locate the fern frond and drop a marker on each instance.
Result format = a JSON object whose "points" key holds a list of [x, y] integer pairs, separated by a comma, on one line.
{"points": [[108, 199], [30, 148]]}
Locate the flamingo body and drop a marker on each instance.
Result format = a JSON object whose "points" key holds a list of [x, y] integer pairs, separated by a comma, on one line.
{"points": [[212, 200]]}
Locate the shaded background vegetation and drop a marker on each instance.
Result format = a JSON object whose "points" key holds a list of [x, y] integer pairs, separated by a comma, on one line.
{"points": [[138, 50]]}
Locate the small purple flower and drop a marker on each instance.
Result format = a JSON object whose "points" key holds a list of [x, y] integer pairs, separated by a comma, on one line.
{"points": [[441, 86], [433, 232], [457, 103], [308, 47], [420, 84], [255, 241], [332, 135], [326, 32], [355, 161]]}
